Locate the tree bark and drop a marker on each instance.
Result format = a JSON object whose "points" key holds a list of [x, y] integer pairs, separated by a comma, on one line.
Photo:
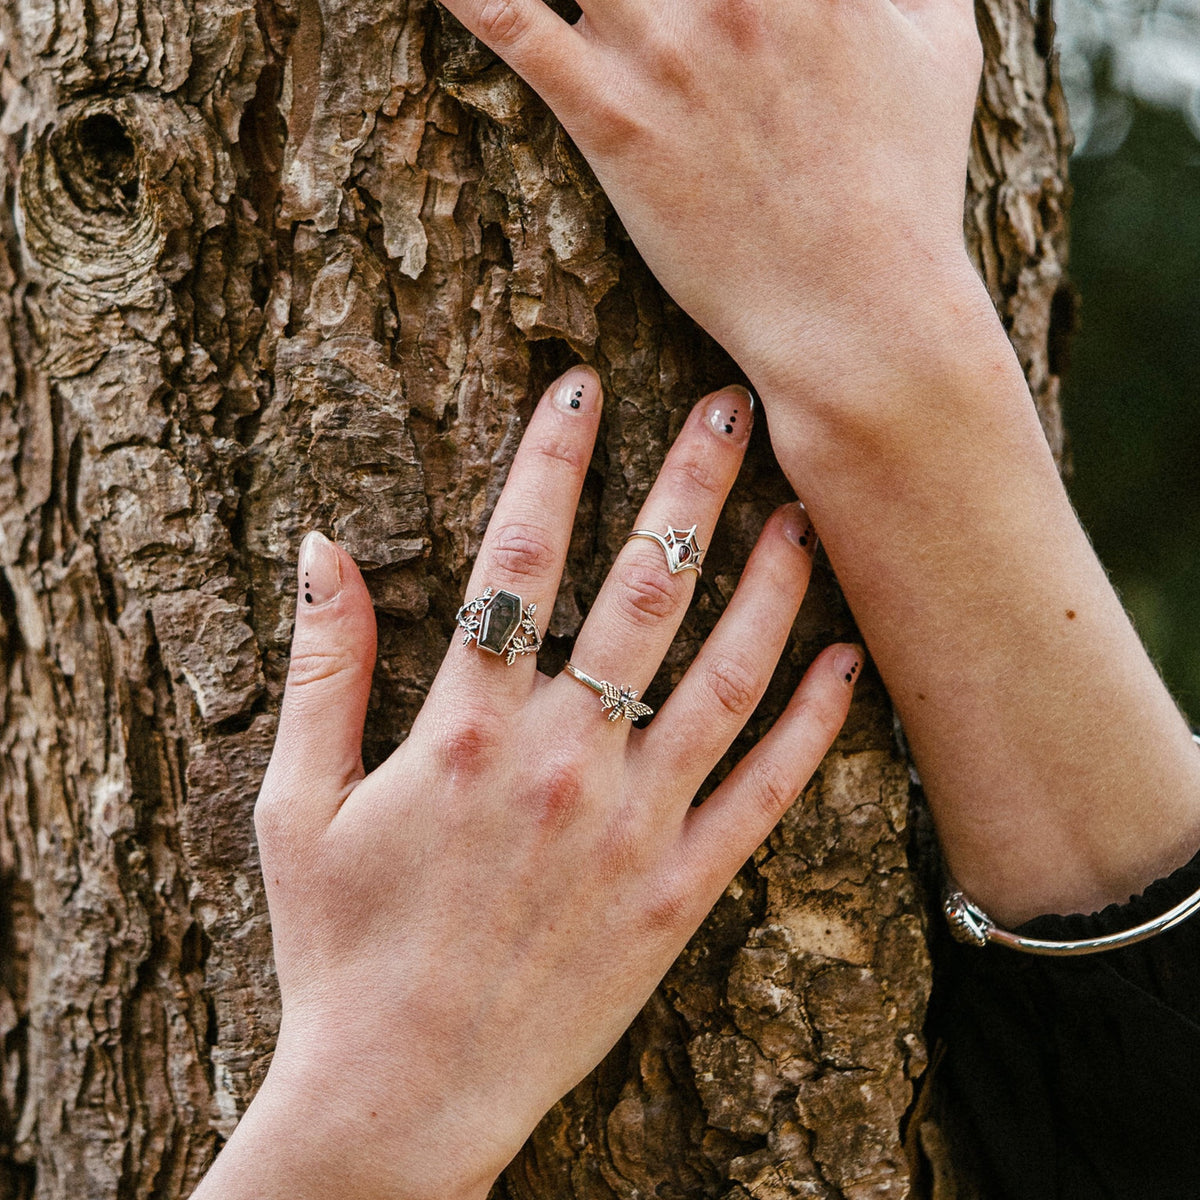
{"points": [[303, 264]]}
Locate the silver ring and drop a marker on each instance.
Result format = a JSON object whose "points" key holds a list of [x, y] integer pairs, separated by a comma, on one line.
{"points": [[617, 702], [682, 550], [500, 623]]}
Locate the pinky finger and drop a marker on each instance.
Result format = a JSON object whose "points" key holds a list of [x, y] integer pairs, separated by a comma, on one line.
{"points": [[725, 830]]}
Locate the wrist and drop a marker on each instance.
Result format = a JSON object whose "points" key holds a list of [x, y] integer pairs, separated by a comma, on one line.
{"points": [[866, 354], [941, 384], [309, 1134]]}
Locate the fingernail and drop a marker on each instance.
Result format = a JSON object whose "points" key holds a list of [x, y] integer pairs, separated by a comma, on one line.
{"points": [[848, 662], [799, 528], [731, 414], [578, 391], [320, 571]]}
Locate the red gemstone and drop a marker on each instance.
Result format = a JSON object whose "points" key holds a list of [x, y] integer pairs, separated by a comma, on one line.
{"points": [[685, 553]]}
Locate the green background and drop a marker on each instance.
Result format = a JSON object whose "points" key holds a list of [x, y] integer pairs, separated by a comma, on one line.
{"points": [[1132, 386]]}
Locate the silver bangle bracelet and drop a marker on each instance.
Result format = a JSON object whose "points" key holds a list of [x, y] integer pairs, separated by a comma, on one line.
{"points": [[970, 924]]}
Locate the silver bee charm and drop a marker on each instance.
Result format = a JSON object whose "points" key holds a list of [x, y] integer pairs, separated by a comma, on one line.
{"points": [[618, 703], [621, 702]]}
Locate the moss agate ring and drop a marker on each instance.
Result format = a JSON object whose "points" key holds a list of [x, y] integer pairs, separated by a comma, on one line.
{"points": [[500, 623]]}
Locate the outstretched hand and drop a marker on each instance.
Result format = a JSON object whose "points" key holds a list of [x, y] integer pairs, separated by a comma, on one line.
{"points": [[793, 173], [462, 934]]}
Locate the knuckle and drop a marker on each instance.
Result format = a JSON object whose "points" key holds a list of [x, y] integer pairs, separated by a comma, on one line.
{"points": [[669, 57], [502, 22], [267, 819], [618, 125], [648, 592], [668, 907], [742, 21], [523, 552], [824, 714], [772, 787], [273, 821], [565, 451], [734, 685], [692, 470], [308, 667], [557, 796], [471, 746]]}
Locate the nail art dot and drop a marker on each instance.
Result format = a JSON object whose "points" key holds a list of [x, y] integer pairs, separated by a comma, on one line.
{"points": [[575, 399], [308, 598]]}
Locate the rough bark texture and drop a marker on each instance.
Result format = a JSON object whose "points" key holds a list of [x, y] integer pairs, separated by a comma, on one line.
{"points": [[304, 263]]}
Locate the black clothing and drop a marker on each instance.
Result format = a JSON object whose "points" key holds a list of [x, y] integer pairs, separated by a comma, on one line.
{"points": [[1078, 1078]]}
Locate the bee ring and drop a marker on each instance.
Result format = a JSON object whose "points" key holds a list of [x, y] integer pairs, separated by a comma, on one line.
{"points": [[681, 548], [500, 623], [617, 702]]}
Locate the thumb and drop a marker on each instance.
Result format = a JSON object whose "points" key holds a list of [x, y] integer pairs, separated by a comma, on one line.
{"points": [[318, 749]]}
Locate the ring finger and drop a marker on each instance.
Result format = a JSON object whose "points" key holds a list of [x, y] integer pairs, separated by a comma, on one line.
{"points": [[642, 602], [722, 687]]}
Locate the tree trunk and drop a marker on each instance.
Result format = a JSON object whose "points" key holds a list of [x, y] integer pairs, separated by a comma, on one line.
{"points": [[304, 264]]}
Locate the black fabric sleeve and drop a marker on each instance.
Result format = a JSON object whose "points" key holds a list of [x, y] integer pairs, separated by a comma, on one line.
{"points": [[1074, 1078]]}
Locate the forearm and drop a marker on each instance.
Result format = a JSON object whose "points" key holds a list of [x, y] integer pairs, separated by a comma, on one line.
{"points": [[1058, 769]]}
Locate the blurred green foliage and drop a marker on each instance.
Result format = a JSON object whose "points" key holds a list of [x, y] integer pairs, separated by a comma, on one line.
{"points": [[1131, 394]]}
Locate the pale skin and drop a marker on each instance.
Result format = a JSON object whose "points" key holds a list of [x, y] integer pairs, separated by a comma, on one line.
{"points": [[463, 934], [793, 172]]}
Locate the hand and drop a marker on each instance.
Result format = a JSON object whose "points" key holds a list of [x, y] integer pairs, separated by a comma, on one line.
{"points": [[461, 935], [793, 172]]}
